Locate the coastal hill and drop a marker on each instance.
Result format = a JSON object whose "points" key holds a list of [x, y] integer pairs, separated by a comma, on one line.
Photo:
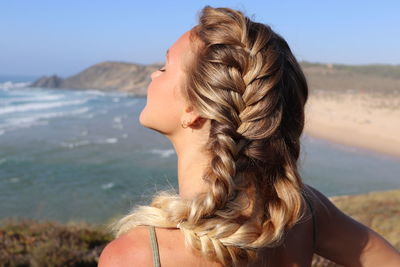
{"points": [[338, 78], [134, 78], [107, 76]]}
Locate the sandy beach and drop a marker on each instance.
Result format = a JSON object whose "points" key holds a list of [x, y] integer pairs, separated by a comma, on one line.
{"points": [[367, 120], [355, 105]]}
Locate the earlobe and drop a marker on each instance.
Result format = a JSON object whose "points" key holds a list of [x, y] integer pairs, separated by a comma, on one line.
{"points": [[193, 121], [190, 115], [185, 124], [192, 118]]}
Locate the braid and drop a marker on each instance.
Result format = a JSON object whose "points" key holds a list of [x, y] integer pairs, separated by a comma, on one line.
{"points": [[246, 66], [245, 80]]}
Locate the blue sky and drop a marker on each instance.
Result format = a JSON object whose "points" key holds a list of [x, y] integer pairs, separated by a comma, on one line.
{"points": [[64, 37]]}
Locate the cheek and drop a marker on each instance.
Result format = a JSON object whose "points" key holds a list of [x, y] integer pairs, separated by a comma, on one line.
{"points": [[162, 110], [158, 94]]}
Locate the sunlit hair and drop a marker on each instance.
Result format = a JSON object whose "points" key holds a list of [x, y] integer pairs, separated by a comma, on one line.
{"points": [[244, 78]]}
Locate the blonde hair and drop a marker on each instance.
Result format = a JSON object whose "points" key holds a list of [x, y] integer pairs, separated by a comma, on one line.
{"points": [[245, 80]]}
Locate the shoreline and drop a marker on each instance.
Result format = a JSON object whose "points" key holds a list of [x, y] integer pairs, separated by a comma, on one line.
{"points": [[359, 140], [366, 121]]}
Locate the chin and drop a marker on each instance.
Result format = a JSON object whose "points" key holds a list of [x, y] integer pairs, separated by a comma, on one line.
{"points": [[151, 123], [142, 119]]}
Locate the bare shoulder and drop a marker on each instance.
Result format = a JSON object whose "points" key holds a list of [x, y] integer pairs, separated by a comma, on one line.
{"points": [[320, 202], [130, 249], [346, 241], [335, 229]]}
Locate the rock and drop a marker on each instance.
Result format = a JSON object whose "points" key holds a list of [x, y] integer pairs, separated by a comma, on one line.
{"points": [[48, 82], [106, 76]]}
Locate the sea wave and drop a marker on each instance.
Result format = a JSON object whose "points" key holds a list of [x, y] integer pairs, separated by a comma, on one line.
{"points": [[38, 98], [115, 94], [80, 143], [40, 106], [132, 103], [37, 119], [117, 119], [164, 153], [14, 180], [117, 123], [107, 186], [109, 141], [92, 92], [10, 85], [75, 144]]}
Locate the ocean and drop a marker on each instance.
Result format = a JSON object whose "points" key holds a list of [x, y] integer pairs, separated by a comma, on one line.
{"points": [[81, 155]]}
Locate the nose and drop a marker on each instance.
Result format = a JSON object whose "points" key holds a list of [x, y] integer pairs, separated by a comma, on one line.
{"points": [[153, 75]]}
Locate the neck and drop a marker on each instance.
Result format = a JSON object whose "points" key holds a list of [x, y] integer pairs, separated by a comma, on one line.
{"points": [[192, 162]]}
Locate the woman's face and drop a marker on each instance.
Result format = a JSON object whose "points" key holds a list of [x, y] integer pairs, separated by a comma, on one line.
{"points": [[165, 103]]}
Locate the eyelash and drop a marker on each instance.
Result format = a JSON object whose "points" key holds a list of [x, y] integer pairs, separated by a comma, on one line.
{"points": [[162, 69]]}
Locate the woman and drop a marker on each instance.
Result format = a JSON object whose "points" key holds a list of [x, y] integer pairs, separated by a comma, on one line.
{"points": [[231, 100]]}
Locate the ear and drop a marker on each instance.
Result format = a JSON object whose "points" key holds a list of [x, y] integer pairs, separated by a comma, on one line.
{"points": [[192, 117]]}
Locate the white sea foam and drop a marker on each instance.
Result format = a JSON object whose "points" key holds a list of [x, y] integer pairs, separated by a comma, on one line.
{"points": [[118, 123], [93, 92], [14, 180], [9, 84], [107, 186], [164, 153], [87, 116], [37, 98], [75, 144], [118, 126], [111, 140], [117, 119], [26, 91], [131, 103], [37, 119], [21, 123], [40, 106], [88, 142]]}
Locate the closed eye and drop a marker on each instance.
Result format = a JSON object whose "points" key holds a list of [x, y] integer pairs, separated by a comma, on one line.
{"points": [[162, 69]]}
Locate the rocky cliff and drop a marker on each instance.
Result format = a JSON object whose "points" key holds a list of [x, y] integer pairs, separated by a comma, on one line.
{"points": [[107, 76]]}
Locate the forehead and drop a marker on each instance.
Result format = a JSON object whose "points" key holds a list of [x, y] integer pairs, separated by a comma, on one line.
{"points": [[180, 47]]}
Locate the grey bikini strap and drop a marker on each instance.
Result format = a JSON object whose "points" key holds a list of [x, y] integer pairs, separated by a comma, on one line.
{"points": [[314, 226], [154, 246]]}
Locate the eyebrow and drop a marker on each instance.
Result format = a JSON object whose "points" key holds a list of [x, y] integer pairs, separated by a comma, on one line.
{"points": [[167, 54]]}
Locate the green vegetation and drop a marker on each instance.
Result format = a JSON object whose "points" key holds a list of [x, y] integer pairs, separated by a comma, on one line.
{"points": [[33, 243], [382, 70]]}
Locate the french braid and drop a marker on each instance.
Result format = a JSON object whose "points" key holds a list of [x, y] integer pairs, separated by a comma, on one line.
{"points": [[246, 81]]}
